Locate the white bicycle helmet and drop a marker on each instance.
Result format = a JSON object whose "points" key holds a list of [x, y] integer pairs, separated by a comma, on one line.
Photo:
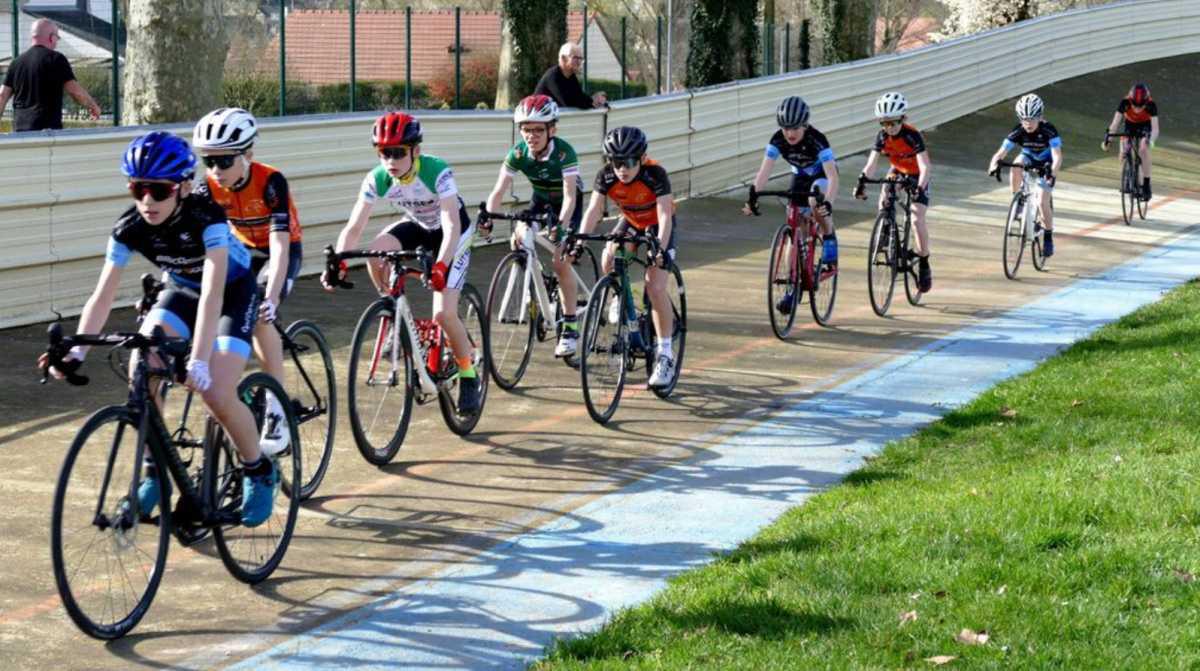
{"points": [[226, 128], [891, 106], [1029, 106], [537, 109]]}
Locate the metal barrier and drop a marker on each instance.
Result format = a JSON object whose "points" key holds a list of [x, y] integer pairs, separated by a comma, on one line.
{"points": [[61, 191]]}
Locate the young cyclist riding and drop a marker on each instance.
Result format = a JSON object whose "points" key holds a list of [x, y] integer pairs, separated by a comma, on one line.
{"points": [[1040, 144], [209, 298], [552, 167], [1140, 114], [641, 188], [423, 187], [813, 167], [904, 147], [259, 205]]}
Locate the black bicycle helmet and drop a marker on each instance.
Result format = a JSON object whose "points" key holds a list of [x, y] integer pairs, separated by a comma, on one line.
{"points": [[792, 112], [625, 142]]}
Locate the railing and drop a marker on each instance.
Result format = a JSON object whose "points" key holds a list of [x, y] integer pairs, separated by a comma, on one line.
{"points": [[60, 192]]}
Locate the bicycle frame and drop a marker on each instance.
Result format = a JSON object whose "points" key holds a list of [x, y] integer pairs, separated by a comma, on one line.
{"points": [[418, 355], [534, 271]]}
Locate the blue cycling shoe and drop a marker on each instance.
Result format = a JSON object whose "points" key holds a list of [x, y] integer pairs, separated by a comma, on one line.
{"points": [[258, 495]]}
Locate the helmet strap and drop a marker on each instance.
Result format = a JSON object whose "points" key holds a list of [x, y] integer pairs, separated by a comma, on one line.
{"points": [[245, 173]]}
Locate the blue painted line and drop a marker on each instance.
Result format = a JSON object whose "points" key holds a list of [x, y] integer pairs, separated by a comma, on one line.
{"points": [[571, 575]]}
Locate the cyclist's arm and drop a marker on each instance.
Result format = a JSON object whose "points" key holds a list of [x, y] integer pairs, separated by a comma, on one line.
{"points": [[869, 168], [831, 174], [1116, 120], [570, 193], [281, 243], [1000, 153], [665, 206], [352, 232], [99, 304], [595, 211], [1055, 160], [924, 165], [212, 292], [764, 173], [1153, 129], [450, 229], [496, 198]]}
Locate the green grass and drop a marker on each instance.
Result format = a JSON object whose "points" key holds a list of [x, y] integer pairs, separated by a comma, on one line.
{"points": [[1058, 512]]}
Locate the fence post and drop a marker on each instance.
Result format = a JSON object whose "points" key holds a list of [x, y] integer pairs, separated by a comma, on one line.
{"points": [[787, 47], [622, 58], [805, 40], [116, 66], [282, 57], [658, 31], [408, 57], [585, 49], [457, 57], [353, 74]]}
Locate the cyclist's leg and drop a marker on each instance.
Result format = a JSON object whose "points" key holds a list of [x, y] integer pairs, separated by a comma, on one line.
{"points": [[231, 350], [920, 206], [445, 302], [1144, 150], [829, 253], [660, 299], [267, 345], [567, 290], [1044, 191], [174, 312], [403, 234]]}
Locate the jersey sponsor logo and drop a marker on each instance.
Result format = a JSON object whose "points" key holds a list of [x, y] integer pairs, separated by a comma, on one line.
{"points": [[178, 261]]}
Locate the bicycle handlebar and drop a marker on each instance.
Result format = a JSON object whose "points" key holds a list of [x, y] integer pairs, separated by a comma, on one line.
{"points": [[395, 257], [907, 181], [59, 345], [1135, 134], [1042, 169], [546, 217], [793, 195]]}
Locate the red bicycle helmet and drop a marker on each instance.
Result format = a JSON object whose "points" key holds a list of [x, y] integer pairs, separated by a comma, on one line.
{"points": [[1140, 94], [394, 129]]}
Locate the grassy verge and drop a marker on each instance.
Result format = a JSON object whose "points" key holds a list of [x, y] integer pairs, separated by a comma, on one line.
{"points": [[1058, 514]]}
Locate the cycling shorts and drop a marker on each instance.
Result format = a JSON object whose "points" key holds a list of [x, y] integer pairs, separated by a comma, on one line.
{"points": [[412, 235], [177, 305], [623, 226], [807, 183], [920, 196], [540, 203], [1143, 128], [1028, 160], [261, 269]]}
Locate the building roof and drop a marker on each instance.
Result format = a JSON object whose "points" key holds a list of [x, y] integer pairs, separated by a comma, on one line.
{"points": [[318, 44]]}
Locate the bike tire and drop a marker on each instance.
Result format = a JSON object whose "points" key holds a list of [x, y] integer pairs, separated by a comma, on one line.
{"points": [[1141, 201], [251, 554], [1129, 190], [1014, 237], [823, 294], [1036, 249], [912, 287], [470, 312], [881, 264], [314, 400], [782, 273], [376, 434], [603, 352], [112, 540], [677, 291], [512, 328]]}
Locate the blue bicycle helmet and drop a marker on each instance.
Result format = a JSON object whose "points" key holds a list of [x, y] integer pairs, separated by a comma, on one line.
{"points": [[159, 155]]}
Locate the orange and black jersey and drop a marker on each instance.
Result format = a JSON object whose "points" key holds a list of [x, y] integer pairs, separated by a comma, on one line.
{"points": [[260, 207], [638, 200], [901, 148], [1137, 116]]}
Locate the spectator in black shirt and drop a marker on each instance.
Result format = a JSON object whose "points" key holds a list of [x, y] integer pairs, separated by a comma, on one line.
{"points": [[560, 82], [36, 81]]}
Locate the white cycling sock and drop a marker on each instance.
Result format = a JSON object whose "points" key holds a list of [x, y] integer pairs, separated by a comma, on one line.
{"points": [[664, 347]]}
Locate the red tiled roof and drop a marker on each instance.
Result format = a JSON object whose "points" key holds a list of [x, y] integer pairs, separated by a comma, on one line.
{"points": [[318, 44]]}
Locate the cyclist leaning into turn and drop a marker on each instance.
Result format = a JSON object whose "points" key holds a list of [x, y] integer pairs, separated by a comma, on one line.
{"points": [[423, 187], [641, 188], [813, 167], [261, 210], [209, 297], [904, 147], [1140, 113], [550, 164], [1040, 144]]}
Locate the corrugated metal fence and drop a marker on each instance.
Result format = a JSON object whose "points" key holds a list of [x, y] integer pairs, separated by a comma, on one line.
{"points": [[59, 192]]}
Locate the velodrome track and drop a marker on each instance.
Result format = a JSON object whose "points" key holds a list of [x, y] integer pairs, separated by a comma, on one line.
{"points": [[447, 503]]}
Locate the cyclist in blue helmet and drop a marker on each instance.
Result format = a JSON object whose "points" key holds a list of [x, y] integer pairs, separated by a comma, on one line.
{"points": [[210, 297]]}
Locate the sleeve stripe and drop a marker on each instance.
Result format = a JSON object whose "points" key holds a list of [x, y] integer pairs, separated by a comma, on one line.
{"points": [[216, 235]]}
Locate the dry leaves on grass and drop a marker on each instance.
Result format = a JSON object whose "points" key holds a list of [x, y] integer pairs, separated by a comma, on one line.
{"points": [[940, 660], [1001, 590], [969, 637], [908, 616], [1007, 412], [1183, 575], [1076, 403]]}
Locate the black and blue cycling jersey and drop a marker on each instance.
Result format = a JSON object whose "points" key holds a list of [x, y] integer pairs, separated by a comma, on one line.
{"points": [[806, 156], [1035, 145]]}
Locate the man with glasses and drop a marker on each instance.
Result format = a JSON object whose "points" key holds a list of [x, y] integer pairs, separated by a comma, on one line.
{"points": [[904, 147], [422, 186], [36, 81], [1140, 114], [561, 82]]}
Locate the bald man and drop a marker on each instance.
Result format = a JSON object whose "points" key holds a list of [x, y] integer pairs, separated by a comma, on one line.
{"points": [[36, 81], [560, 81]]}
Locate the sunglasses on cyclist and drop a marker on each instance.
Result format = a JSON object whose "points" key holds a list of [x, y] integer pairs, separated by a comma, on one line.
{"points": [[393, 153], [624, 162], [221, 162], [888, 123], [157, 190]]}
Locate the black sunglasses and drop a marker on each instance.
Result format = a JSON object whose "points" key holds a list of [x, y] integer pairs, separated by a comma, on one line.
{"points": [[624, 161], [394, 153], [223, 162], [157, 190]]}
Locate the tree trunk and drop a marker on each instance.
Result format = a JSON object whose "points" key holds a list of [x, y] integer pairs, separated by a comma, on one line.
{"points": [[174, 60], [506, 94], [845, 29], [531, 33]]}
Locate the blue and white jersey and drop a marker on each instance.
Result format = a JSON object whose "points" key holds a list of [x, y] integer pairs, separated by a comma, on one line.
{"points": [[806, 156], [1035, 145]]}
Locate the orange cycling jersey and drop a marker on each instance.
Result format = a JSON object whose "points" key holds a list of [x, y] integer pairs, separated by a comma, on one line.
{"points": [[638, 200], [1134, 115], [260, 207], [901, 148]]}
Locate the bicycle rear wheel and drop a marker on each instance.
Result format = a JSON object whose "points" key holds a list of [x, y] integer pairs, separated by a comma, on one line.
{"points": [[823, 293], [107, 563], [1014, 237], [512, 316], [1129, 190], [251, 554], [783, 282], [678, 298], [1141, 199], [470, 312], [380, 391], [882, 263], [1037, 252], [603, 351], [912, 290], [309, 381]]}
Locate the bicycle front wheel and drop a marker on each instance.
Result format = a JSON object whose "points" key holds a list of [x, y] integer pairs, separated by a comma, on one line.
{"points": [[512, 316], [783, 288], [380, 392], [823, 293], [251, 554], [309, 382], [882, 263], [1129, 190], [470, 312], [1014, 237], [1142, 200], [107, 563], [678, 298], [912, 290], [604, 351]]}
